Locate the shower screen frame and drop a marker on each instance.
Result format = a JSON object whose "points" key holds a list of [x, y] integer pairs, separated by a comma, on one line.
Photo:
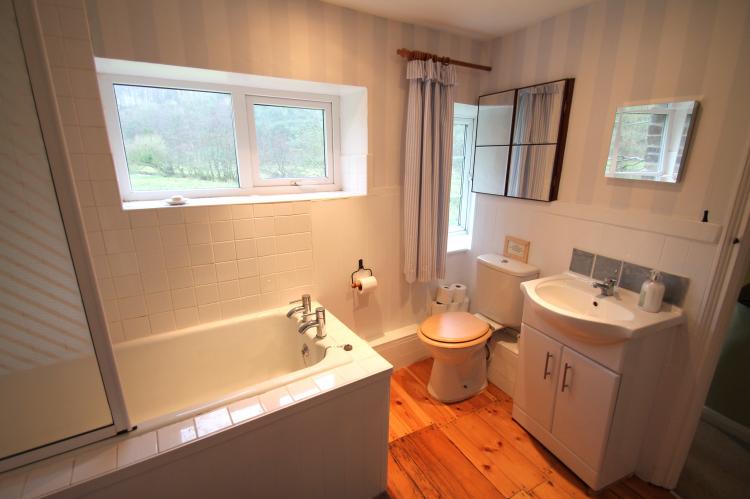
{"points": [[58, 158]]}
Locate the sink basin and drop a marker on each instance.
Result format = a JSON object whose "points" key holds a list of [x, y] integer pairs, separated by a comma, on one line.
{"points": [[575, 308]]}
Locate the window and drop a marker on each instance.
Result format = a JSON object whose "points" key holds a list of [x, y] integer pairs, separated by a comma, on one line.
{"points": [[177, 139], [198, 139], [463, 135], [292, 141], [461, 198]]}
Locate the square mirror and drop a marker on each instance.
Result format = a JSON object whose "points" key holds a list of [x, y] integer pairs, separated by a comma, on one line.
{"points": [[520, 141], [650, 141]]}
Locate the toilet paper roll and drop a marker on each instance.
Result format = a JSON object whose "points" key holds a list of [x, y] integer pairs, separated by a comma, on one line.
{"points": [[367, 284], [459, 292], [464, 305], [438, 308], [444, 294], [454, 307]]}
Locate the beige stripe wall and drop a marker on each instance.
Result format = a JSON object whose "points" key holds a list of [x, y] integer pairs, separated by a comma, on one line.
{"points": [[624, 51]]}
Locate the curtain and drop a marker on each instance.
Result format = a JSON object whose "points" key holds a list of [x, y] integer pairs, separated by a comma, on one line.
{"points": [[427, 168]]}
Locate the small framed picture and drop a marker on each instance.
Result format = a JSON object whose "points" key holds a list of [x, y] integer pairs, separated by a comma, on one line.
{"points": [[516, 249]]}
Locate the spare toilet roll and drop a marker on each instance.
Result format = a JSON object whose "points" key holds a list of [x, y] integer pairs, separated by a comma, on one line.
{"points": [[454, 307], [438, 308], [444, 294], [367, 284], [459, 292]]}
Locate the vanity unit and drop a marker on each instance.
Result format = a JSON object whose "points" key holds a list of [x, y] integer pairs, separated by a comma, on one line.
{"points": [[588, 370]]}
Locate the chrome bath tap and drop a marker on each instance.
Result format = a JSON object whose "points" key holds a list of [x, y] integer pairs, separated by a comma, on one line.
{"points": [[305, 308], [319, 322]]}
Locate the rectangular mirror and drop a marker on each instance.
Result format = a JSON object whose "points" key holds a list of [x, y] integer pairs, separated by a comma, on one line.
{"points": [[494, 126], [520, 141], [649, 142]]}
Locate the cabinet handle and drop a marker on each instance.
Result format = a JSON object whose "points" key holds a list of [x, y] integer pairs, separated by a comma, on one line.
{"points": [[546, 366], [565, 377]]}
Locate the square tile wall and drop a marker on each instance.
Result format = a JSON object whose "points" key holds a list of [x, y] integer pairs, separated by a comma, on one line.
{"points": [[629, 275], [172, 267], [581, 262]]}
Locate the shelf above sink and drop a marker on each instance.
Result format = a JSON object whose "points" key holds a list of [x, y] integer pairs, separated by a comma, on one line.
{"points": [[577, 309]]}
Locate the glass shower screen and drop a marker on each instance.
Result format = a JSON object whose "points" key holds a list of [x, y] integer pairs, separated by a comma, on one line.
{"points": [[50, 385]]}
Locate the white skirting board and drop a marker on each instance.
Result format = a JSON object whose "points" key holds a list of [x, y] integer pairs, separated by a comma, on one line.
{"points": [[401, 347], [727, 425]]}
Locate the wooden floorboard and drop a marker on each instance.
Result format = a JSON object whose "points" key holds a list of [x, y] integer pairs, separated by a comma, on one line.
{"points": [[475, 449]]}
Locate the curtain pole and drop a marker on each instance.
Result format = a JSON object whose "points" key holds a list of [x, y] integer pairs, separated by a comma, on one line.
{"points": [[413, 54]]}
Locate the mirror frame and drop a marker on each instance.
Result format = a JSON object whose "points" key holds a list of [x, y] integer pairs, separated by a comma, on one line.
{"points": [[562, 134]]}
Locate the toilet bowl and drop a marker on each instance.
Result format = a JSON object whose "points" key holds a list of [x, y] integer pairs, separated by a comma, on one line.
{"points": [[456, 341]]}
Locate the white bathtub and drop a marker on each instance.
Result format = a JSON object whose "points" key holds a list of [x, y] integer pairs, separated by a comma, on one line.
{"points": [[329, 437], [179, 374]]}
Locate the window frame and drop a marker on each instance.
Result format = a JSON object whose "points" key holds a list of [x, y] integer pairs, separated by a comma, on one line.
{"points": [[466, 204], [326, 107], [244, 135]]}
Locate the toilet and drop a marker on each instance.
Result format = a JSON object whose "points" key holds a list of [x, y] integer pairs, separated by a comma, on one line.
{"points": [[456, 340]]}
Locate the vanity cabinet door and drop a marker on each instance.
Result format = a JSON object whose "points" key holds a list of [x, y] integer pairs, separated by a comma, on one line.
{"points": [[538, 367], [586, 397]]}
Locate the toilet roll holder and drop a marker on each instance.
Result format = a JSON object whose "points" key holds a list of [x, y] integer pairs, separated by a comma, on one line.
{"points": [[360, 268]]}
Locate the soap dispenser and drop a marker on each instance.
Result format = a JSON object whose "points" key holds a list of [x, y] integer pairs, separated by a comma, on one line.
{"points": [[652, 293]]}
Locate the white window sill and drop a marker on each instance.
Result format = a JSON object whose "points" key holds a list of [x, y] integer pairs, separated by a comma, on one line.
{"points": [[459, 242], [228, 200]]}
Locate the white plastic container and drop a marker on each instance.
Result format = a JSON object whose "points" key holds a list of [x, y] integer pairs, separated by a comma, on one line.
{"points": [[652, 293]]}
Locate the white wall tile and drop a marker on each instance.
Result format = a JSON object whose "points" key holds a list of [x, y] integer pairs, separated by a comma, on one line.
{"points": [[184, 297], [222, 231], [185, 317], [243, 229], [206, 294], [201, 254], [177, 256], [135, 328], [210, 312]]}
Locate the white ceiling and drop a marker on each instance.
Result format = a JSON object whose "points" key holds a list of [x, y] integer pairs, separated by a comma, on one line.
{"points": [[475, 18]]}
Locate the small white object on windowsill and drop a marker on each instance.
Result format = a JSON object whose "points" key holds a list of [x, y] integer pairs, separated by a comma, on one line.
{"points": [[176, 200]]}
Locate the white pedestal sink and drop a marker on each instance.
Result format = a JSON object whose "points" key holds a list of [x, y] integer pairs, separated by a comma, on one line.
{"points": [[588, 369]]}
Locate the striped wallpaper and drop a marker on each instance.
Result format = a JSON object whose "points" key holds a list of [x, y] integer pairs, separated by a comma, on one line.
{"points": [[300, 39], [41, 314], [633, 50]]}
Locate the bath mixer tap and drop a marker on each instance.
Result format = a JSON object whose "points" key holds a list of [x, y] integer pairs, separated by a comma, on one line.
{"points": [[319, 322], [305, 308]]}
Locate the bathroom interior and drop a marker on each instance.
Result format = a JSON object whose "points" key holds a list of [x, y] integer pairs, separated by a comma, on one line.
{"points": [[357, 248]]}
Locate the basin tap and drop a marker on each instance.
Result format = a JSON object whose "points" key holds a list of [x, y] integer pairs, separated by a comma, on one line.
{"points": [[305, 308], [607, 286], [319, 322]]}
